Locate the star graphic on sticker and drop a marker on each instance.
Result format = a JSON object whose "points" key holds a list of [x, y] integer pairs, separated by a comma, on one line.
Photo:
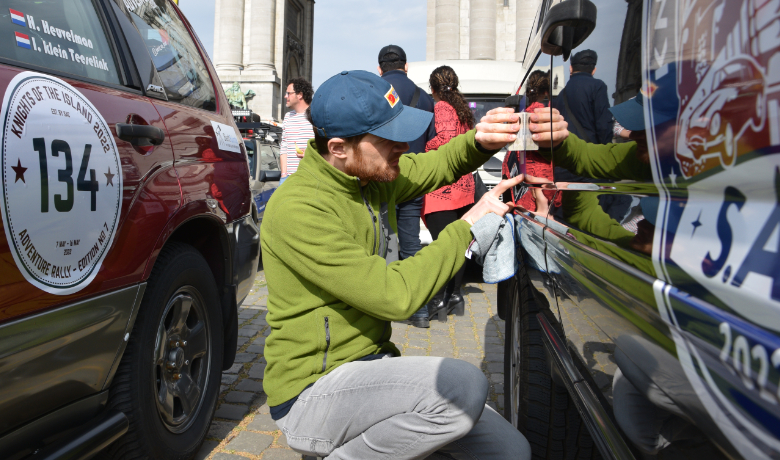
{"points": [[696, 224], [673, 178], [109, 177], [19, 170]]}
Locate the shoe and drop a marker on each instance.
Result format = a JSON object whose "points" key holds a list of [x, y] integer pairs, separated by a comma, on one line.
{"points": [[456, 303], [420, 318], [437, 307]]}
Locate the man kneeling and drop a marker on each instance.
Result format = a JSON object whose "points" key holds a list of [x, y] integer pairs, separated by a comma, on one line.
{"points": [[335, 383]]}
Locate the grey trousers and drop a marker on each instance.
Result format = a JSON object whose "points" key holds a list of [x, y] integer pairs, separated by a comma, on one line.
{"points": [[401, 408]]}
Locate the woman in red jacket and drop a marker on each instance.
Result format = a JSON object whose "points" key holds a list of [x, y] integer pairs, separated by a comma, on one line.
{"points": [[452, 117]]}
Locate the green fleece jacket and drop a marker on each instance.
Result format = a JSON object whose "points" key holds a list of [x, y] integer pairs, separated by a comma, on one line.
{"points": [[331, 293]]}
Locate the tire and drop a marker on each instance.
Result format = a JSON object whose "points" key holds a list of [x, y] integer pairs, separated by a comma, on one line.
{"points": [[541, 409], [159, 360]]}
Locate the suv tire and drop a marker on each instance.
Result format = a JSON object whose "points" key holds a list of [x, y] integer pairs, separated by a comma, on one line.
{"points": [[533, 402], [176, 343]]}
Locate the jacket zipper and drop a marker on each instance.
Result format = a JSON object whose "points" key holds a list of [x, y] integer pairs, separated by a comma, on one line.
{"points": [[373, 218], [327, 344]]}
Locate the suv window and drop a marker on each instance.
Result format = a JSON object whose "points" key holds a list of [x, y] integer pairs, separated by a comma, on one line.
{"points": [[63, 36], [268, 161], [175, 55]]}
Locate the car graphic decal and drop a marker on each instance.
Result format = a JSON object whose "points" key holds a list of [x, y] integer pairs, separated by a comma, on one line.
{"points": [[716, 246], [62, 183]]}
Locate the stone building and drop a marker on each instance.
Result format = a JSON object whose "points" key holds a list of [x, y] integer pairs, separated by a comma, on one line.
{"points": [[261, 44], [494, 30]]}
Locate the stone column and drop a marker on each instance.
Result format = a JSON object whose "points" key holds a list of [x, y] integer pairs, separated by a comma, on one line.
{"points": [[447, 29], [526, 13], [430, 31], [228, 35], [262, 36], [482, 29]]}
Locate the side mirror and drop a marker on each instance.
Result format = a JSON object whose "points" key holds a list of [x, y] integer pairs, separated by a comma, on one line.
{"points": [[269, 176], [566, 26]]}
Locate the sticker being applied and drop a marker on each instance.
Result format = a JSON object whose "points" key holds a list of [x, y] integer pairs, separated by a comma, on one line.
{"points": [[62, 183]]}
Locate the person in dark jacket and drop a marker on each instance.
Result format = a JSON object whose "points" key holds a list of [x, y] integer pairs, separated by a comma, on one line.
{"points": [[393, 68], [584, 101]]}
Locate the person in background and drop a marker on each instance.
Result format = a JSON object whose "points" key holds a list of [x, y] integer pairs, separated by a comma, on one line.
{"points": [[296, 129], [584, 102], [452, 117], [393, 68]]}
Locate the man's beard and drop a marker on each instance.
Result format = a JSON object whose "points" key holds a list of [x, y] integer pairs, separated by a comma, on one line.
{"points": [[359, 167]]}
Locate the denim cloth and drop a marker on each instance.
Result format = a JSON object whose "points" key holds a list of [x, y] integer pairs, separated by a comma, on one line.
{"points": [[494, 247], [401, 408], [407, 215]]}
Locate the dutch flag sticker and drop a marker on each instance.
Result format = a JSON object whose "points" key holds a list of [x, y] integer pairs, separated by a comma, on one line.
{"points": [[22, 40], [17, 18]]}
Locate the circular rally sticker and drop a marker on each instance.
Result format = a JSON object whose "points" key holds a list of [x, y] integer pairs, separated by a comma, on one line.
{"points": [[62, 183]]}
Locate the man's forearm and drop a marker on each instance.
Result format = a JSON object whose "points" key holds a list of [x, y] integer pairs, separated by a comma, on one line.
{"points": [[283, 160]]}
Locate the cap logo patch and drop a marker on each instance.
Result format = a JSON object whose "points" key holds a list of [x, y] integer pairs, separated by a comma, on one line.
{"points": [[392, 97]]}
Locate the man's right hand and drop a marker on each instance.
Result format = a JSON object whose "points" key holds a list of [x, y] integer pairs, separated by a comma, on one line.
{"points": [[490, 202]]}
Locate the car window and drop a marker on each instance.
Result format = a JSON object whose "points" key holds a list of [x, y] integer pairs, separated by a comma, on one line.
{"points": [[63, 36], [252, 155], [268, 161], [175, 55]]}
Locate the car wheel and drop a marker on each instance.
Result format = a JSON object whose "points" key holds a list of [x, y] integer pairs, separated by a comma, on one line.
{"points": [[168, 380], [533, 402]]}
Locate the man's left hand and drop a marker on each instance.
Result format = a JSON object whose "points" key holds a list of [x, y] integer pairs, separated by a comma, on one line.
{"points": [[497, 128]]}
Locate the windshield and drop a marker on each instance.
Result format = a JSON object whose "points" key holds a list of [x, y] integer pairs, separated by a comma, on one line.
{"points": [[480, 106]]}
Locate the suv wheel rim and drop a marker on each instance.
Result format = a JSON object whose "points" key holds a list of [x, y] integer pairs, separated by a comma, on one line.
{"points": [[515, 359], [182, 357]]}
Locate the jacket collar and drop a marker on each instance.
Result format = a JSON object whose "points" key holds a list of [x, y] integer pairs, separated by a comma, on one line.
{"points": [[313, 163], [580, 74]]}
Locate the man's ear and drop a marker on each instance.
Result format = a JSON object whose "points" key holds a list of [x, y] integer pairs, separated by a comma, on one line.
{"points": [[571, 70], [594, 71], [379, 69], [406, 67], [338, 148]]}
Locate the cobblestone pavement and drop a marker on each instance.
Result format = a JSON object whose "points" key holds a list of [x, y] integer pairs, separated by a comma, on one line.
{"points": [[242, 427]]}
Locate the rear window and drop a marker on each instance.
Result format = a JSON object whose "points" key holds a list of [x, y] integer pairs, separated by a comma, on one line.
{"points": [[66, 36], [174, 53]]}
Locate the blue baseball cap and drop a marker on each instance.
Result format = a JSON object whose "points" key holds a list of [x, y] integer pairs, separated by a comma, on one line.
{"points": [[358, 102], [661, 91]]}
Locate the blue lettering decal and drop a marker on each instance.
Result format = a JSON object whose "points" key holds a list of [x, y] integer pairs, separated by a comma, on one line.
{"points": [[711, 267], [759, 260]]}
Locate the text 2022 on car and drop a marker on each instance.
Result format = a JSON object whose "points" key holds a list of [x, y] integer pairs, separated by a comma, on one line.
{"points": [[129, 239]]}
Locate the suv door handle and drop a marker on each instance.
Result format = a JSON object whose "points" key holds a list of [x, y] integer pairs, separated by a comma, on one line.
{"points": [[140, 135]]}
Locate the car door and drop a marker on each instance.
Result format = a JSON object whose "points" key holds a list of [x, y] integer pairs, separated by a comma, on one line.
{"points": [[73, 170], [209, 156], [268, 171]]}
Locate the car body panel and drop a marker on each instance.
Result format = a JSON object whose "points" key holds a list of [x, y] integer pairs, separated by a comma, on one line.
{"points": [[675, 285]]}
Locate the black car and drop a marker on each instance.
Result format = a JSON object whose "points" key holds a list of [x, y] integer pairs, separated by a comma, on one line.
{"points": [[644, 319]]}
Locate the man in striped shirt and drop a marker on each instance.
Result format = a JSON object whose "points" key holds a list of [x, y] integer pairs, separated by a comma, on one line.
{"points": [[296, 129]]}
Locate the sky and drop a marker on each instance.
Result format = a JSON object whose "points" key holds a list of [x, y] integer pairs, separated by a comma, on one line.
{"points": [[348, 34]]}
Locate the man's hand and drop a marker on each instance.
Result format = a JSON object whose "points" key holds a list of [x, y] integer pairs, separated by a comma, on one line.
{"points": [[490, 202], [542, 123], [497, 128]]}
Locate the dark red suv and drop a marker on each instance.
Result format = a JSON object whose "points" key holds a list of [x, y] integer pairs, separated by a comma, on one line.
{"points": [[129, 238]]}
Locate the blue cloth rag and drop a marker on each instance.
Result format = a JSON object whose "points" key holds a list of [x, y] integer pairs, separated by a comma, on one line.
{"points": [[494, 247]]}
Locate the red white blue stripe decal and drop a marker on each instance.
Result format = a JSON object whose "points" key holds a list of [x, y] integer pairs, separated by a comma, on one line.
{"points": [[17, 17], [22, 40]]}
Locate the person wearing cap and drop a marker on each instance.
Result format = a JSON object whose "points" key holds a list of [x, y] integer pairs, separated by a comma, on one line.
{"points": [[584, 102], [393, 68], [335, 384]]}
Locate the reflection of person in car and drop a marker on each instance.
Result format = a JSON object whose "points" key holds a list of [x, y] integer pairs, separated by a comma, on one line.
{"points": [[537, 200], [630, 160], [335, 385]]}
